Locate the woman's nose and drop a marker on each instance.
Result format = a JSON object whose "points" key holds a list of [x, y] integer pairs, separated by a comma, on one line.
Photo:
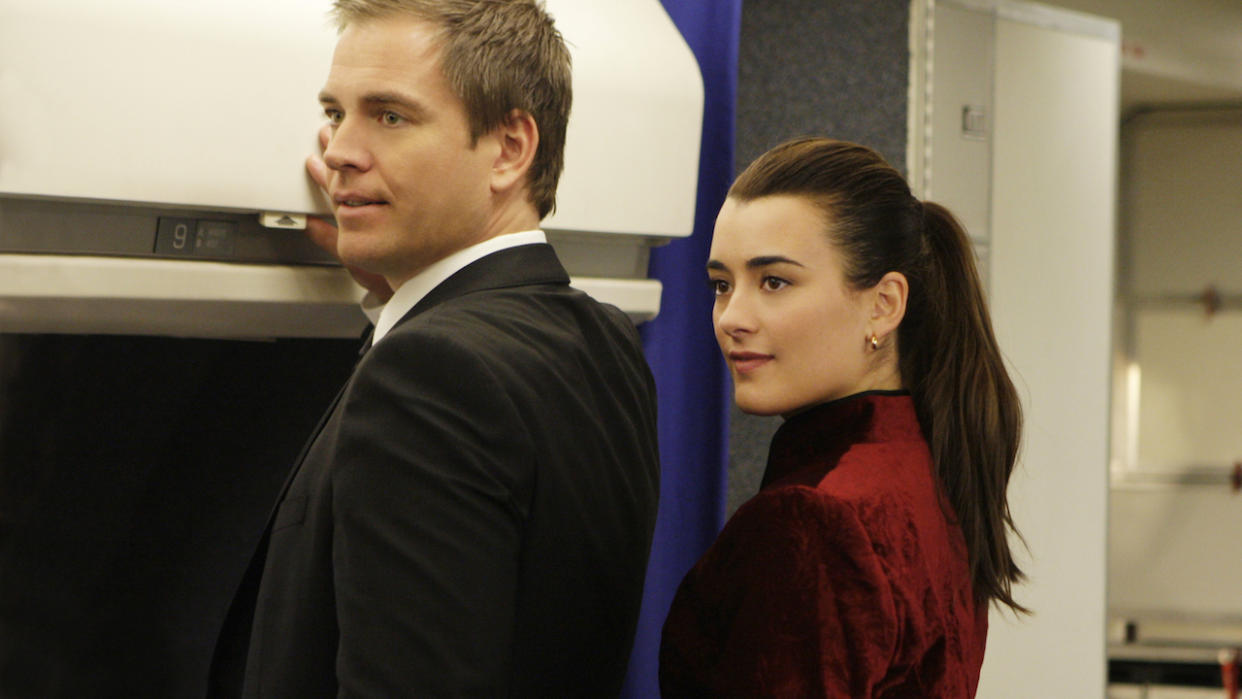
{"points": [[734, 314]]}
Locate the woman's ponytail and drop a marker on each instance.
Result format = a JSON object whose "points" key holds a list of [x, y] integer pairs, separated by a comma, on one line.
{"points": [[966, 403]]}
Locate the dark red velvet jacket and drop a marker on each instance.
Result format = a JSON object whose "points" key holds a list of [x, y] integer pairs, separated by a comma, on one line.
{"points": [[844, 577]]}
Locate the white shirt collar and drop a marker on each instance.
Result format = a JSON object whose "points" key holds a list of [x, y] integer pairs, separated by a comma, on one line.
{"points": [[412, 291]]}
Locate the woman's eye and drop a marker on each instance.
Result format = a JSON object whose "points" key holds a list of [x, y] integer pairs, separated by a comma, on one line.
{"points": [[719, 286], [773, 283]]}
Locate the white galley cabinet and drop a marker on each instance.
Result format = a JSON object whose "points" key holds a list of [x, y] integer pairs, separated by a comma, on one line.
{"points": [[1176, 511], [1014, 127]]}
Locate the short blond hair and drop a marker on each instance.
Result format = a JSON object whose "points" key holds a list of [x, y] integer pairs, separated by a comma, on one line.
{"points": [[498, 55]]}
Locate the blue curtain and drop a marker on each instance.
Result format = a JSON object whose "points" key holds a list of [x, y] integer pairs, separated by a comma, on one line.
{"points": [[680, 345]]}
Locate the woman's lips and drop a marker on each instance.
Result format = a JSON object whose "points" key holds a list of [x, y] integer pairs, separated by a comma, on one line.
{"points": [[746, 362]]}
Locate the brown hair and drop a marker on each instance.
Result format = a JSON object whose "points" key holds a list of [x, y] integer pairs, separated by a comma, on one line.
{"points": [[946, 350], [498, 55]]}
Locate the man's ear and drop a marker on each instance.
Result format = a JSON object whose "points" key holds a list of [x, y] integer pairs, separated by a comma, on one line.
{"points": [[518, 136], [889, 303]]}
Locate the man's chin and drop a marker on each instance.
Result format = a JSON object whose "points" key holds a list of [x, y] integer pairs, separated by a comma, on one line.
{"points": [[354, 252]]}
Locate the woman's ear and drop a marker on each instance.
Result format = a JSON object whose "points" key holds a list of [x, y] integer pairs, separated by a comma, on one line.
{"points": [[518, 136], [889, 303]]}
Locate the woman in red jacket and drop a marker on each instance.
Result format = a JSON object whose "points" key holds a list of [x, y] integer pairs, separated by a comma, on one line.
{"points": [[865, 565]]}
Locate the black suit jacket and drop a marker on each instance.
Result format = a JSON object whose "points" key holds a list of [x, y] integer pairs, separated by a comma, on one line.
{"points": [[474, 515]]}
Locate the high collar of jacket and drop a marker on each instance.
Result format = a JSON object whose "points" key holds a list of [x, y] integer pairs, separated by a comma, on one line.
{"points": [[818, 436]]}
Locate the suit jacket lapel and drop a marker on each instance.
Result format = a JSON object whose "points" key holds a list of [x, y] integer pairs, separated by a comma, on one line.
{"points": [[519, 266]]}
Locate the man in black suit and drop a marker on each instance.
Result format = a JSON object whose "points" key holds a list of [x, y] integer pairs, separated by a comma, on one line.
{"points": [[474, 514]]}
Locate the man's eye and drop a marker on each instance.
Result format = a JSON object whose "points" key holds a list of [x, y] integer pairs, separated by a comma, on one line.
{"points": [[334, 115], [391, 118]]}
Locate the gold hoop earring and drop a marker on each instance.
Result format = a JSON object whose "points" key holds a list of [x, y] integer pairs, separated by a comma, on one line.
{"points": [[875, 342]]}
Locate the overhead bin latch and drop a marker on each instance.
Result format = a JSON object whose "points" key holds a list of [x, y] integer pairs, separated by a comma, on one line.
{"points": [[276, 219]]}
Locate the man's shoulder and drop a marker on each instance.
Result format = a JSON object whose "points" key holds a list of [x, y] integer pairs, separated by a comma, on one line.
{"points": [[516, 347], [514, 326], [518, 313]]}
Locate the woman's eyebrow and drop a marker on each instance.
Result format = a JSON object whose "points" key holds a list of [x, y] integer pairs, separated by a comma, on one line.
{"points": [[755, 262], [765, 260]]}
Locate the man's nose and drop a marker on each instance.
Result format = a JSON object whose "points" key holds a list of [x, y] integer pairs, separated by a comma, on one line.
{"points": [[347, 148]]}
